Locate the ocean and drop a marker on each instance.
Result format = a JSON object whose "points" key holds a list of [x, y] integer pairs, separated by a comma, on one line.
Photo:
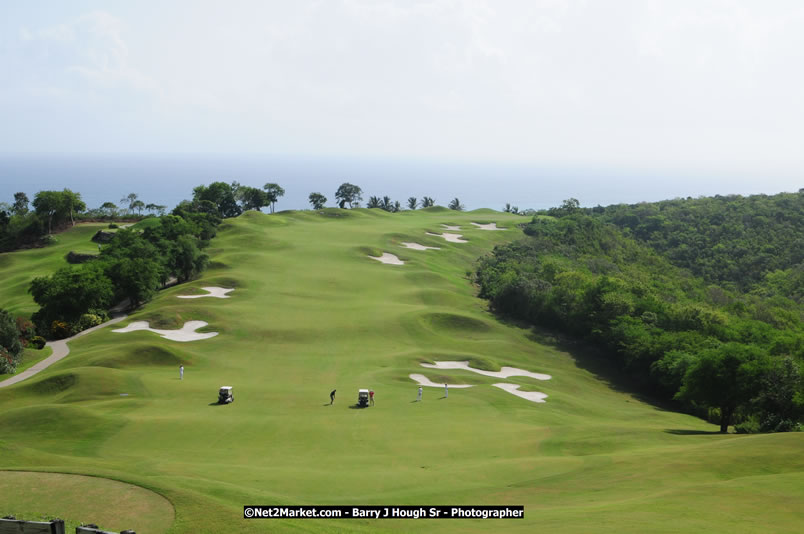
{"points": [[169, 179]]}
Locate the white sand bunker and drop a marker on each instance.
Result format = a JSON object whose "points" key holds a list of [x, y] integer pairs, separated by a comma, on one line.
{"points": [[217, 292], [489, 226], [533, 396], [452, 238], [417, 246], [424, 381], [186, 333], [390, 259], [505, 372], [453, 228]]}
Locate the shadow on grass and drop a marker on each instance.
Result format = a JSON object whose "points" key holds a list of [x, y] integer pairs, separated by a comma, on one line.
{"points": [[216, 403], [594, 360], [685, 432], [357, 407]]}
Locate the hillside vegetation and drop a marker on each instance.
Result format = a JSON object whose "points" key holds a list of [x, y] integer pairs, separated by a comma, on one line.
{"points": [[647, 295], [311, 312]]}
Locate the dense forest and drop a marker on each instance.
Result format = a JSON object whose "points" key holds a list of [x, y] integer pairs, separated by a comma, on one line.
{"points": [[696, 300]]}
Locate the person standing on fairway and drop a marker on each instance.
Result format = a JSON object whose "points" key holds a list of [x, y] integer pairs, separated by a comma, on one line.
{"points": [[446, 391], [181, 372], [332, 397], [419, 399], [371, 397]]}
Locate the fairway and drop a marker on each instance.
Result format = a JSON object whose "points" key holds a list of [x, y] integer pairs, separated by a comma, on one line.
{"points": [[311, 311]]}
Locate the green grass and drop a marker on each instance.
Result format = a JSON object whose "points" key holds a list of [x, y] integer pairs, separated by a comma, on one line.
{"points": [[30, 357], [20, 267], [311, 313]]}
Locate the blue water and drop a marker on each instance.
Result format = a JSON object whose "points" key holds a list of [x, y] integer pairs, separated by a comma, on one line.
{"points": [[169, 179]]}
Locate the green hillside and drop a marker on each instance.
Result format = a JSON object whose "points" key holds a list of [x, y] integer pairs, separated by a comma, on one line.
{"points": [[20, 267], [310, 313]]}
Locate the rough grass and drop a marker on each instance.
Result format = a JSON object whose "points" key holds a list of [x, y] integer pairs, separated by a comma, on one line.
{"points": [[311, 314]]}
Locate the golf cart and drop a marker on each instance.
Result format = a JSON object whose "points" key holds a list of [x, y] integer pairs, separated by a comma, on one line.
{"points": [[225, 395], [362, 398]]}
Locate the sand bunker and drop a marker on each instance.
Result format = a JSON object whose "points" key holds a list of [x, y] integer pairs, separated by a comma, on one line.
{"points": [[452, 238], [505, 372], [489, 226], [533, 396], [186, 333], [453, 228], [417, 246], [424, 381], [390, 259], [217, 292]]}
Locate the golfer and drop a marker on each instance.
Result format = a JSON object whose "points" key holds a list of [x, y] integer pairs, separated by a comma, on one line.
{"points": [[420, 395], [446, 391], [181, 372], [371, 397], [332, 397]]}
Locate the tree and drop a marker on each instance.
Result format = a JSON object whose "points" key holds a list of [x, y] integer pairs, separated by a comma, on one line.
{"points": [[252, 198], [138, 205], [10, 346], [70, 292], [274, 191], [221, 195], [72, 203], [48, 204], [110, 208], [158, 208], [507, 208], [317, 200], [186, 259], [428, 202], [374, 202], [348, 194], [456, 205], [20, 204], [781, 398], [397, 207], [412, 203], [129, 199], [723, 378]]}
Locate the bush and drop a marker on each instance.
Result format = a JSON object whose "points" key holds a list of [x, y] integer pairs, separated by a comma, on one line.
{"points": [[37, 342], [86, 321], [113, 225], [59, 329], [25, 328], [749, 426]]}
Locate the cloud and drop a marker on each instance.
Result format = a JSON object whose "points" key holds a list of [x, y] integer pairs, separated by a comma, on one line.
{"points": [[90, 45]]}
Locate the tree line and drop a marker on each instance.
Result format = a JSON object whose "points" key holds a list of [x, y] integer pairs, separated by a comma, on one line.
{"points": [[732, 352]]}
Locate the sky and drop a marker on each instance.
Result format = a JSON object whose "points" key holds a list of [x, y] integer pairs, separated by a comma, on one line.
{"points": [[693, 87]]}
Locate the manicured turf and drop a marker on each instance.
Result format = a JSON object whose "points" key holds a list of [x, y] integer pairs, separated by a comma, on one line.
{"points": [[311, 313], [30, 357], [19, 268], [112, 505]]}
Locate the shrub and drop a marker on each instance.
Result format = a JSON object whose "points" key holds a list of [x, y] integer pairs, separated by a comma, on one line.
{"points": [[749, 426], [25, 328], [59, 329], [37, 342], [87, 320], [113, 225]]}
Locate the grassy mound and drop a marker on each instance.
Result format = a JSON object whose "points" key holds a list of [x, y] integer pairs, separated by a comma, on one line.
{"points": [[311, 314], [110, 504]]}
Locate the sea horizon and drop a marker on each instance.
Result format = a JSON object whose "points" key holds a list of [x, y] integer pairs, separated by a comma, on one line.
{"points": [[168, 179]]}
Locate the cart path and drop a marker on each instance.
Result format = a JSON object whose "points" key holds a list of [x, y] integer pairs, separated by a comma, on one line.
{"points": [[60, 350]]}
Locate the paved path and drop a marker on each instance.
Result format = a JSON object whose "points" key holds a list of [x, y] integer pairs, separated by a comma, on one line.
{"points": [[60, 350]]}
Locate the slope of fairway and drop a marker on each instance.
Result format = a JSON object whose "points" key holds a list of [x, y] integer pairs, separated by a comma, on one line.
{"points": [[20, 267], [311, 312]]}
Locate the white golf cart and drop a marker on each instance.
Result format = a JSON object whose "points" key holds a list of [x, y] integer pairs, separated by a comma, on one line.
{"points": [[225, 395]]}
